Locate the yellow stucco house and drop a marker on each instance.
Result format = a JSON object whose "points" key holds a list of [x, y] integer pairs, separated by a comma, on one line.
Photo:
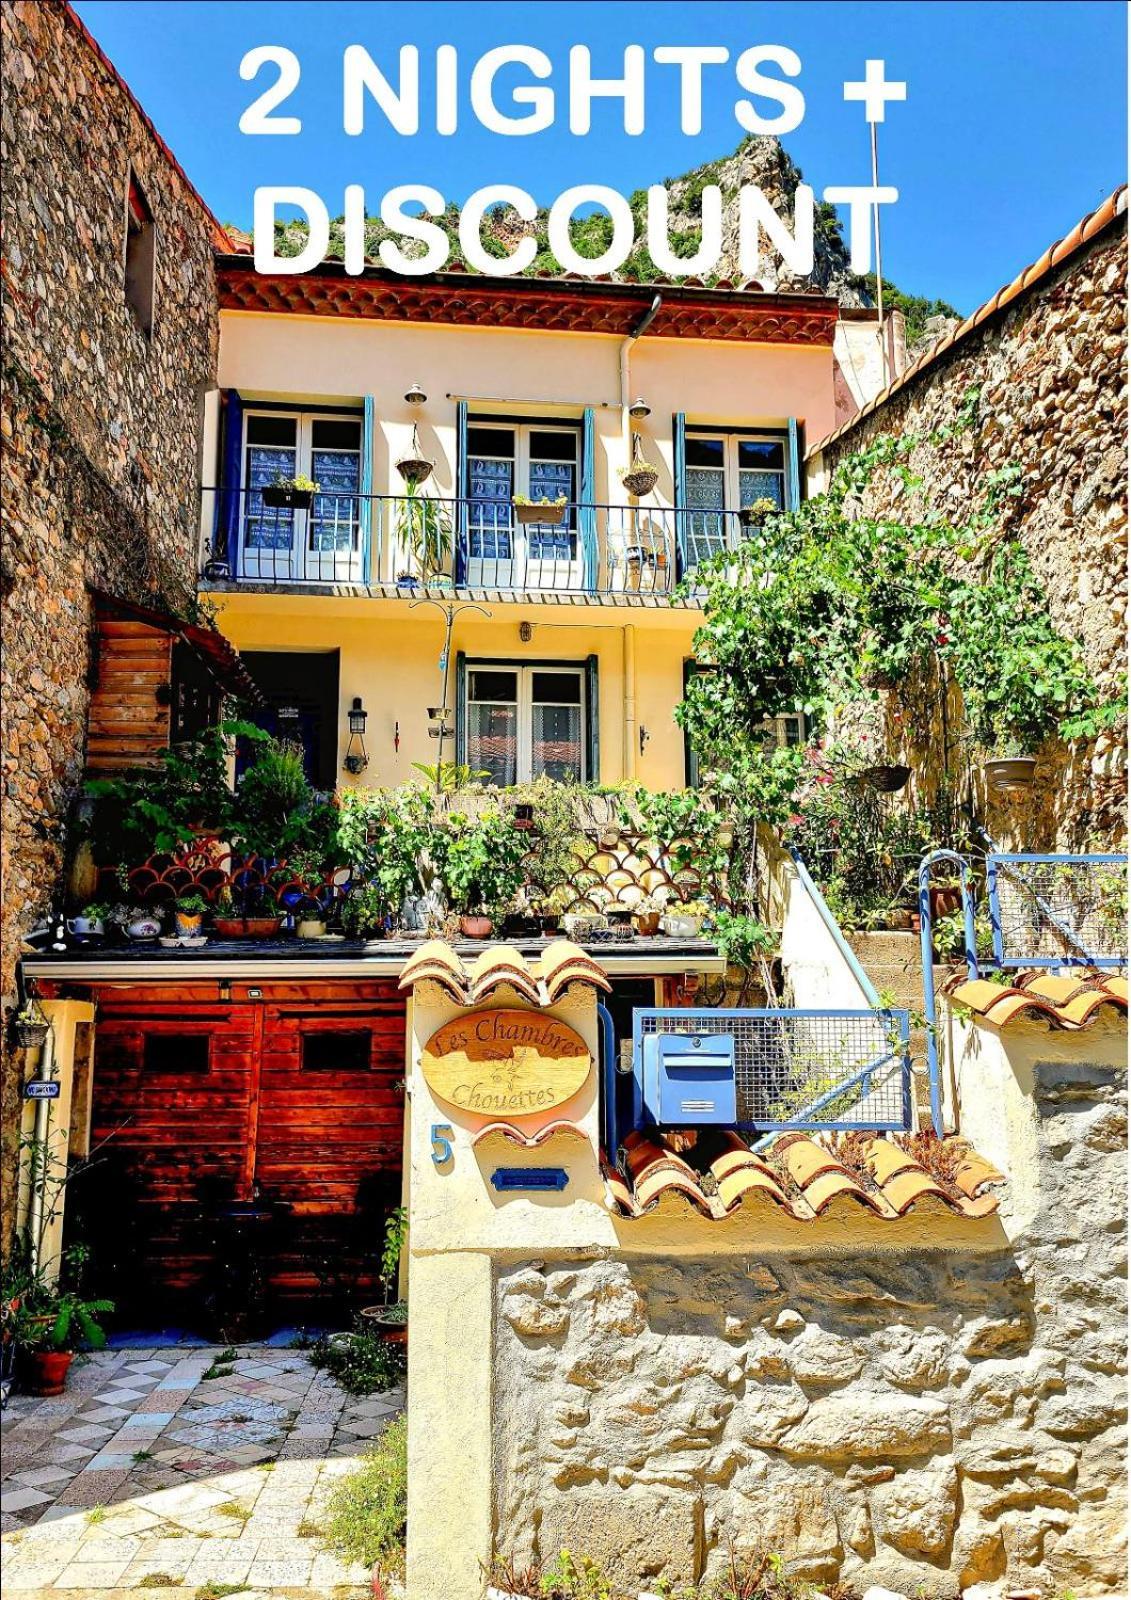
{"points": [[569, 642]]}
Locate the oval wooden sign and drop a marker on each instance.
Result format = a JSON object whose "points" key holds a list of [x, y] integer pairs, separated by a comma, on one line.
{"points": [[505, 1063]]}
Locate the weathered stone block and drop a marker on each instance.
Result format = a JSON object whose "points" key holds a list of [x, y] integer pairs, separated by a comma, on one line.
{"points": [[634, 1534], [864, 1425]]}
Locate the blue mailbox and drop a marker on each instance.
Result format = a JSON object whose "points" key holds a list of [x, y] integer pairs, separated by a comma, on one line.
{"points": [[687, 1080]]}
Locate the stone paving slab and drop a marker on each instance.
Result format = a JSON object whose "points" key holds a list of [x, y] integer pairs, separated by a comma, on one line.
{"points": [[146, 1468]]}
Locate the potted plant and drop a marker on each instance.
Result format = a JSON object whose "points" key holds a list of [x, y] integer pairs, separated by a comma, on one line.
{"points": [[289, 494], [90, 922], [414, 466], [481, 860], [646, 914], [30, 1026], [685, 921], [424, 531], [247, 911], [188, 914], [48, 1324], [1009, 773], [549, 513], [755, 514], [883, 778], [367, 912], [392, 1316]]}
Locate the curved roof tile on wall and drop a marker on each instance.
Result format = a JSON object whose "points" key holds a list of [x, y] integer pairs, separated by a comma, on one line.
{"points": [[1069, 1003], [1085, 230]]}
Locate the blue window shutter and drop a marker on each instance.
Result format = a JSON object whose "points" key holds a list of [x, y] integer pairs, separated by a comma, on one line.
{"points": [[459, 558], [679, 484], [461, 705], [793, 477], [230, 499], [365, 517], [587, 510], [593, 722]]}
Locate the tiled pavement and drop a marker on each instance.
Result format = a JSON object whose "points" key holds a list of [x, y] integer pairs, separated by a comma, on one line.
{"points": [[146, 1474]]}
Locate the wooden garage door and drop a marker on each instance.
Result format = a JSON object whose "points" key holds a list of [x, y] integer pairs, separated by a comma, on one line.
{"points": [[247, 1150]]}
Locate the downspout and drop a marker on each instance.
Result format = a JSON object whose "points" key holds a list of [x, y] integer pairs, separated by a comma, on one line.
{"points": [[628, 763], [625, 391], [37, 1206]]}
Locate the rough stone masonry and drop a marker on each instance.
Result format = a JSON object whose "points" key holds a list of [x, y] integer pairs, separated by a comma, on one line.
{"points": [[1051, 370], [921, 1419], [101, 425]]}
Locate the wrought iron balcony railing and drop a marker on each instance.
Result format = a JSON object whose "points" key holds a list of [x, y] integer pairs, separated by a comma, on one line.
{"points": [[402, 542]]}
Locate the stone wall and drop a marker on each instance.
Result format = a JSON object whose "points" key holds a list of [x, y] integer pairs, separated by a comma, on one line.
{"points": [[101, 423], [1051, 370], [927, 1420]]}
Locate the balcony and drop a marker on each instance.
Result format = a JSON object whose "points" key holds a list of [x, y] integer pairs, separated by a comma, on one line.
{"points": [[402, 545]]}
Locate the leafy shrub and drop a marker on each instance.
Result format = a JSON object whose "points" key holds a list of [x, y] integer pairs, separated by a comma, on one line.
{"points": [[362, 1362], [367, 1512]]}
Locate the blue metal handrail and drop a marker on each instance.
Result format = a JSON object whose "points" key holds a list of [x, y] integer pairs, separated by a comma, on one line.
{"points": [[1083, 957]]}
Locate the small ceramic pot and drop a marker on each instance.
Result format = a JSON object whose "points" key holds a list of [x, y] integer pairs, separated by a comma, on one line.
{"points": [[682, 926], [647, 923], [188, 923], [310, 928], [143, 928], [85, 927], [475, 927]]}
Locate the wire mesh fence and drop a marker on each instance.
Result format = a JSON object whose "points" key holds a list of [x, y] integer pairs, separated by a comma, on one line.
{"points": [[806, 1069], [1059, 910]]}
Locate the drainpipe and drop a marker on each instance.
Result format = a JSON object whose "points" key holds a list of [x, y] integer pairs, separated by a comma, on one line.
{"points": [[625, 392], [629, 674], [38, 1199]]}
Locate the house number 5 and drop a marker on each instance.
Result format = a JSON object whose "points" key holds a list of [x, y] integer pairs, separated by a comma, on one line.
{"points": [[441, 1143]]}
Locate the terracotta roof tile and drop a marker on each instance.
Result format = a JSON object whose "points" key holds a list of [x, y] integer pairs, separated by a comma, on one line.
{"points": [[806, 1177], [1068, 1003], [541, 984], [528, 1141], [1085, 230]]}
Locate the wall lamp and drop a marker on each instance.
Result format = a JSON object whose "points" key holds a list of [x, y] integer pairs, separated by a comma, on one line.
{"points": [[639, 409], [415, 396], [357, 758]]}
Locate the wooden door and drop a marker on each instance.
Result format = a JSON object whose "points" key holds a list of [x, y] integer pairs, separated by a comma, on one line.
{"points": [[247, 1150]]}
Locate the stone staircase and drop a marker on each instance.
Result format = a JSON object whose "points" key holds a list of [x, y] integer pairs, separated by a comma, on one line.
{"points": [[894, 963]]}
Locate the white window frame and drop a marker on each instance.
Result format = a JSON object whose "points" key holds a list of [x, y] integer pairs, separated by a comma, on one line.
{"points": [[300, 562], [730, 442], [523, 570], [524, 720]]}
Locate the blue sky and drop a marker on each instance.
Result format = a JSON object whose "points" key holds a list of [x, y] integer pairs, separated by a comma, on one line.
{"points": [[1013, 128]]}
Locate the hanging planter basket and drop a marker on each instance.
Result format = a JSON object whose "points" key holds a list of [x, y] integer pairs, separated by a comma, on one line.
{"points": [[885, 779], [1010, 774], [415, 470], [640, 479]]}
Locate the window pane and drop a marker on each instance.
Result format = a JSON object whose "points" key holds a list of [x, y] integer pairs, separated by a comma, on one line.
{"points": [[490, 442], [762, 454], [491, 489], [492, 741], [556, 688], [700, 452], [556, 742], [334, 514], [549, 445], [337, 1050], [489, 685], [272, 430], [267, 527], [549, 480], [335, 434], [761, 486]]}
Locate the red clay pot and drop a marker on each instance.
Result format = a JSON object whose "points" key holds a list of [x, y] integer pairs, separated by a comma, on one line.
{"points": [[475, 927], [246, 927], [47, 1370]]}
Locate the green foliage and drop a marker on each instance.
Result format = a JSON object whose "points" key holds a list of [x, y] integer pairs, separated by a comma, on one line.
{"points": [[1087, 724], [449, 777], [274, 801], [743, 939], [385, 835], [480, 859], [396, 1232], [361, 1361], [570, 1577], [689, 825], [367, 1513], [192, 905], [916, 308], [424, 528], [41, 1315]]}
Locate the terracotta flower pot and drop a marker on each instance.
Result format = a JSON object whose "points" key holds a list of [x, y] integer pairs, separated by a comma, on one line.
{"points": [[1010, 773], [944, 902], [549, 515], [647, 924], [475, 927], [47, 1370], [247, 927]]}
